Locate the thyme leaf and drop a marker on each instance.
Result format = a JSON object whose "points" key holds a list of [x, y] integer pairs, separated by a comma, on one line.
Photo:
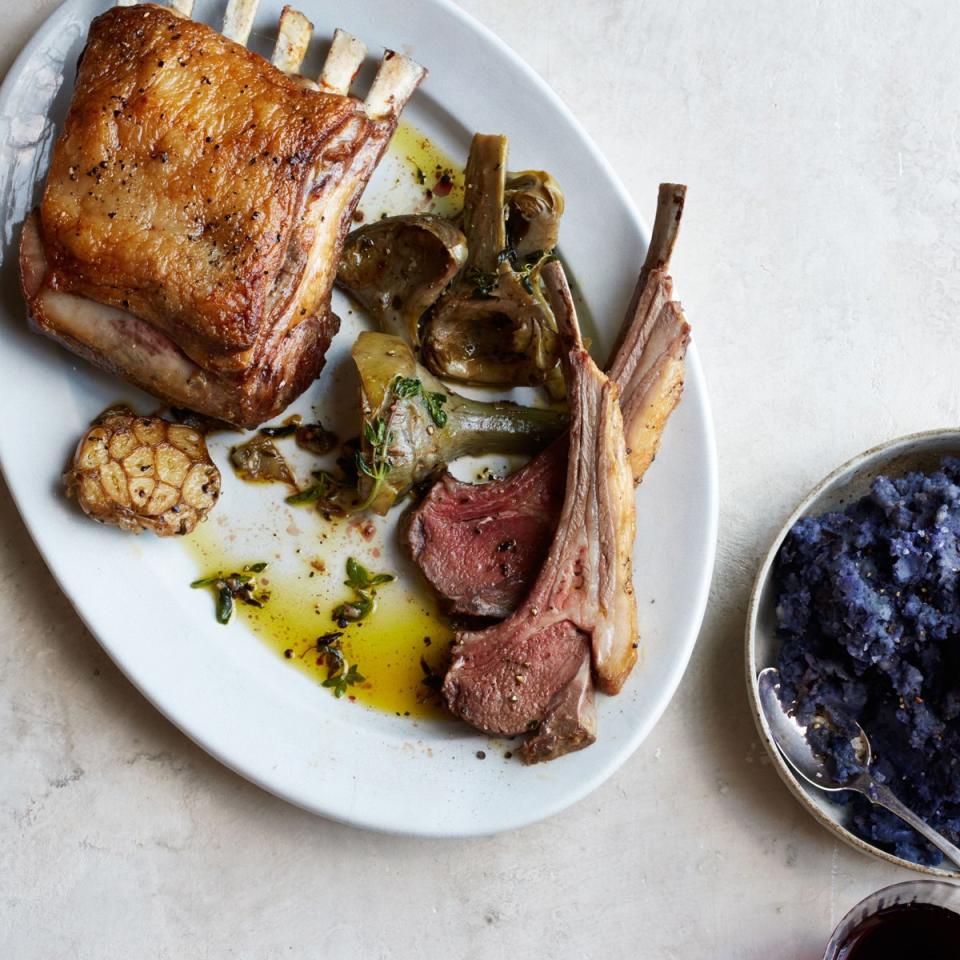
{"points": [[360, 578], [434, 403], [340, 681], [375, 431], [224, 604], [406, 387]]}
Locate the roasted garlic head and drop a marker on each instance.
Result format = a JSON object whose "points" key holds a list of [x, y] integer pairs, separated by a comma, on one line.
{"points": [[143, 473]]}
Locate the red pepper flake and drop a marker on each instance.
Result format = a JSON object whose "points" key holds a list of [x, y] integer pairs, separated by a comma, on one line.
{"points": [[443, 186]]}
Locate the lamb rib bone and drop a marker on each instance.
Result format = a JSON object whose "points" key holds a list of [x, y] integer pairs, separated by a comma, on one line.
{"points": [[293, 40], [187, 363], [238, 20], [343, 62], [508, 678]]}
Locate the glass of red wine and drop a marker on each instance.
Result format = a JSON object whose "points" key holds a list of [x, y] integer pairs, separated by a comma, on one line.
{"points": [[918, 919]]}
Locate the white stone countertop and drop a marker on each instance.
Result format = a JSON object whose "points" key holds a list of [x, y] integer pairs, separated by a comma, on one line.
{"points": [[818, 265]]}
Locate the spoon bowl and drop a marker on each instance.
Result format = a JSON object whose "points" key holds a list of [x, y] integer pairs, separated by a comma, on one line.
{"points": [[791, 737]]}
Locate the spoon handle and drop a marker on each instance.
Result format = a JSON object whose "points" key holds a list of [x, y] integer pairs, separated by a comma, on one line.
{"points": [[882, 795]]}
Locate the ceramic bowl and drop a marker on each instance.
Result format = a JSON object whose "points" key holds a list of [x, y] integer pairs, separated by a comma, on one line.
{"points": [[920, 451]]}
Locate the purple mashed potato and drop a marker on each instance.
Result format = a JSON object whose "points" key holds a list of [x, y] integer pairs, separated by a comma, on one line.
{"points": [[868, 611]]}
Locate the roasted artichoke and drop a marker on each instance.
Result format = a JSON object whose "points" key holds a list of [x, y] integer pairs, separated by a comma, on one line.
{"points": [[494, 324], [413, 425], [396, 268]]}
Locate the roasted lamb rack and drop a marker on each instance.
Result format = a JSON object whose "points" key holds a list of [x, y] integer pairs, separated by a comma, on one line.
{"points": [[481, 545], [534, 672], [197, 202]]}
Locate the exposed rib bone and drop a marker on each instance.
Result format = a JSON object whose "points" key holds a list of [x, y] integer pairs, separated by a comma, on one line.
{"points": [[666, 228], [393, 85], [183, 7], [293, 39], [648, 360], [343, 61], [238, 20]]}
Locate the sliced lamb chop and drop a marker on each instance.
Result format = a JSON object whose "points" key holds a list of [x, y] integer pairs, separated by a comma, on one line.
{"points": [[514, 676], [481, 544], [197, 203], [457, 534]]}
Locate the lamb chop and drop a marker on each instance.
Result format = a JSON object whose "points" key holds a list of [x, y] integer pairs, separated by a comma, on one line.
{"points": [[197, 202], [531, 670], [481, 545]]}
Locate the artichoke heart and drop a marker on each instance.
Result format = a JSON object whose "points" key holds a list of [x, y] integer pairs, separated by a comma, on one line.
{"points": [[396, 268]]}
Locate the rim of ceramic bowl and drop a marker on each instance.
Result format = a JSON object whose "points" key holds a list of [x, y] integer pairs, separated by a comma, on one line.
{"points": [[855, 465]]}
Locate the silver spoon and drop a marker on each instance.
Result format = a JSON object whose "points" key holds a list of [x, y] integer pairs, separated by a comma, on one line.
{"points": [[790, 737]]}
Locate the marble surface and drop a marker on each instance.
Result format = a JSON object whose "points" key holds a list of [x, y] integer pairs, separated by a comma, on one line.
{"points": [[818, 267]]}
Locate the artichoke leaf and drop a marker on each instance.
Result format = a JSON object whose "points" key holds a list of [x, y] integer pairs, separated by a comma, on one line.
{"points": [[534, 204]]}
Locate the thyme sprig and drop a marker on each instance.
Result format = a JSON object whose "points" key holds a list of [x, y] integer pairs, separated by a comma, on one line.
{"points": [[364, 585], [340, 676], [360, 578], [324, 493], [339, 681], [240, 585], [378, 465], [526, 268]]}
